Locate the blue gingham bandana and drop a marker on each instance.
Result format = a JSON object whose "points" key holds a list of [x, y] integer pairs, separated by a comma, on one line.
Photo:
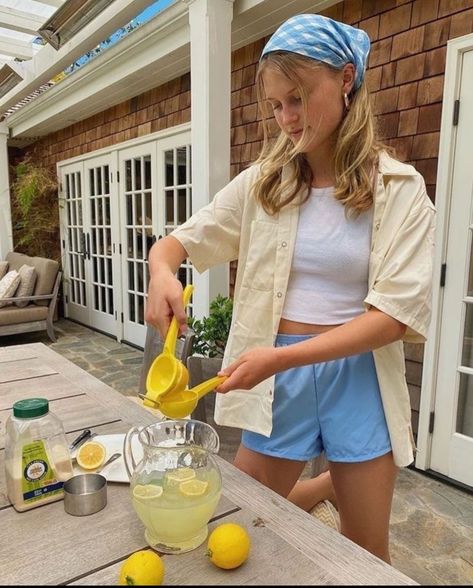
{"points": [[323, 39]]}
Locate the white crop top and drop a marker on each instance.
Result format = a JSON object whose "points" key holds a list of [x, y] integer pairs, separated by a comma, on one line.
{"points": [[329, 274]]}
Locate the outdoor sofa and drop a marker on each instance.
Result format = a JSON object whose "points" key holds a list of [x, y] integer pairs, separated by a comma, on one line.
{"points": [[35, 310]]}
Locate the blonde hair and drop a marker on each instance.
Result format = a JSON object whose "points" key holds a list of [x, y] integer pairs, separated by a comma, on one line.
{"points": [[356, 150]]}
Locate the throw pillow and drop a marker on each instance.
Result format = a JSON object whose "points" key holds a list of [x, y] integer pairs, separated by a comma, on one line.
{"points": [[27, 282], [3, 268], [8, 285]]}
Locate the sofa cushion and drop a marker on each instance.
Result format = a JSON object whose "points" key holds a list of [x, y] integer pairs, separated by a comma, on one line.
{"points": [[12, 315], [8, 286], [46, 271], [3, 268], [27, 282]]}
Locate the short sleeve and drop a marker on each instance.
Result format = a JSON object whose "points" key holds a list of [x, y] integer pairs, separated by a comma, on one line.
{"points": [[212, 235], [403, 284]]}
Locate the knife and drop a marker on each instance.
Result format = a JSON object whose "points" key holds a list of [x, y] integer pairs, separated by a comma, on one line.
{"points": [[80, 439]]}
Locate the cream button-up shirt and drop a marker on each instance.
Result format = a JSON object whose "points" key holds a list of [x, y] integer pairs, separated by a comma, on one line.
{"points": [[233, 226]]}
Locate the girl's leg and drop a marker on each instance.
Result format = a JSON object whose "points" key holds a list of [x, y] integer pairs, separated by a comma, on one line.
{"points": [[276, 473], [307, 493], [364, 493]]}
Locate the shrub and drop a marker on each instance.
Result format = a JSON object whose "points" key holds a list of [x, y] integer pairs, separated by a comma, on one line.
{"points": [[211, 333]]}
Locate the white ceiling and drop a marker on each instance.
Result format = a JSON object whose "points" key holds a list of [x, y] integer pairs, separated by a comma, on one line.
{"points": [[19, 19]]}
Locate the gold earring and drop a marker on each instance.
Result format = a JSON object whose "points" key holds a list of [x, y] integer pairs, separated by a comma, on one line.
{"points": [[346, 100]]}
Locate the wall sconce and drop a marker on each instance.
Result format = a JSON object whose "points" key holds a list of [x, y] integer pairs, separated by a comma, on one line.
{"points": [[69, 19]]}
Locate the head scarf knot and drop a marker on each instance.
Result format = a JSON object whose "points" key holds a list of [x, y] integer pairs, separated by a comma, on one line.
{"points": [[323, 39]]}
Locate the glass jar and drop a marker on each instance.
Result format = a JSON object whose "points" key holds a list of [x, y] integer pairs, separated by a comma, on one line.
{"points": [[37, 457]]}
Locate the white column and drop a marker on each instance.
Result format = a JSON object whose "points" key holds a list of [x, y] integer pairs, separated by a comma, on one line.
{"points": [[210, 35], [6, 239]]}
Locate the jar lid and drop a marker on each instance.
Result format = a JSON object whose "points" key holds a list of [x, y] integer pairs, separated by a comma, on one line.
{"points": [[30, 408]]}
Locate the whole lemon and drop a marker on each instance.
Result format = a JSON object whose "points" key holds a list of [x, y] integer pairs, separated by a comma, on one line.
{"points": [[142, 568], [228, 546]]}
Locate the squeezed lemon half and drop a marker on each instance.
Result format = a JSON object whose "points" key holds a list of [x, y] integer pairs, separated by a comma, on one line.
{"points": [[193, 487], [147, 491], [91, 455]]}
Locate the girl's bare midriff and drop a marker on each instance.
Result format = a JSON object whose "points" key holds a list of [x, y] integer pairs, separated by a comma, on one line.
{"points": [[288, 327]]}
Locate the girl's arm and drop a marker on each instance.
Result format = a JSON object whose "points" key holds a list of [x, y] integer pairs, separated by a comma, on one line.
{"points": [[165, 290], [366, 332]]}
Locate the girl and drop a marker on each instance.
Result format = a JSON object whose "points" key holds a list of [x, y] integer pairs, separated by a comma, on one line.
{"points": [[334, 245]]}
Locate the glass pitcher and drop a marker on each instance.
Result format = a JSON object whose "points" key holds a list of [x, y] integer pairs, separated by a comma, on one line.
{"points": [[176, 485]]}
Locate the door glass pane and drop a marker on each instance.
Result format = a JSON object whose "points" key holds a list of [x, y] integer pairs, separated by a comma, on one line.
{"points": [[177, 195], [75, 238], [467, 354], [181, 153], [465, 394], [470, 276], [100, 227], [465, 406], [139, 223]]}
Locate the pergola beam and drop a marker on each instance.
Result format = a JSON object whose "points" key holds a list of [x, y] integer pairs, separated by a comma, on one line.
{"points": [[55, 3], [47, 62], [18, 20], [15, 47]]}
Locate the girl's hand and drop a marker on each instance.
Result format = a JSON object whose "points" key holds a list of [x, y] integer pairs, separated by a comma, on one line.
{"points": [[251, 368], [164, 302]]}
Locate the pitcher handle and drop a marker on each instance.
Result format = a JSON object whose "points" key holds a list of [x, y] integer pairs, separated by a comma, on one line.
{"points": [[128, 457]]}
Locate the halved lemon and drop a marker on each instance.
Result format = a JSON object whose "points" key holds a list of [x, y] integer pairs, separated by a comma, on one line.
{"points": [[180, 475], [147, 491], [91, 455], [193, 487]]}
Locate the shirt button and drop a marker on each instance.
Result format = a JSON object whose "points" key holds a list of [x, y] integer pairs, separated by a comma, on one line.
{"points": [[284, 244], [279, 294]]}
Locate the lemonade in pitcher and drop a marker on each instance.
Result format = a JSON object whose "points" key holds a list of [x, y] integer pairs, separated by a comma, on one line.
{"points": [[176, 511], [176, 487]]}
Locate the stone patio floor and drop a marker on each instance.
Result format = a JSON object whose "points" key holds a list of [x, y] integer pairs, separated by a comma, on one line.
{"points": [[431, 523]]}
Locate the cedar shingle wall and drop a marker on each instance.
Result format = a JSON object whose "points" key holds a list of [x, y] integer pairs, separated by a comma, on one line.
{"points": [[405, 74], [157, 109]]}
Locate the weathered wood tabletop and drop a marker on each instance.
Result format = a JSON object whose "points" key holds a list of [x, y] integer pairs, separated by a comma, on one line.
{"points": [[45, 545]]}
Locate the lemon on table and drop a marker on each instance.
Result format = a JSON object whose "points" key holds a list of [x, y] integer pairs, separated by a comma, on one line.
{"points": [[147, 491], [142, 568], [180, 474], [228, 546], [91, 455], [193, 487]]}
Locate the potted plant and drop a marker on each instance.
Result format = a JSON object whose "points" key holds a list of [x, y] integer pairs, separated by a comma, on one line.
{"points": [[211, 333]]}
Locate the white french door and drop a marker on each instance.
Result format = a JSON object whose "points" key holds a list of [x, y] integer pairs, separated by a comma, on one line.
{"points": [[89, 244], [73, 241], [452, 435], [115, 207], [139, 221], [155, 197]]}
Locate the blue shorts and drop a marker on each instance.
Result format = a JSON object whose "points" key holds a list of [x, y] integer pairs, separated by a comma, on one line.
{"points": [[333, 407]]}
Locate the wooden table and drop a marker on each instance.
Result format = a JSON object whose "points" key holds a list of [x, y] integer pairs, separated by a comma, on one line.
{"points": [[47, 546]]}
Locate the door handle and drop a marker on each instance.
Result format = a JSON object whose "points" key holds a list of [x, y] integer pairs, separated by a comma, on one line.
{"points": [[83, 246]]}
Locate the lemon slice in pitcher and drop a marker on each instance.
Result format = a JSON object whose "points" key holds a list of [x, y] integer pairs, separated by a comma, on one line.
{"points": [[91, 455], [147, 491], [193, 487], [180, 475]]}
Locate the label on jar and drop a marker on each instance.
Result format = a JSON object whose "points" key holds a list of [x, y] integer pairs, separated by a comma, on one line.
{"points": [[38, 477]]}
